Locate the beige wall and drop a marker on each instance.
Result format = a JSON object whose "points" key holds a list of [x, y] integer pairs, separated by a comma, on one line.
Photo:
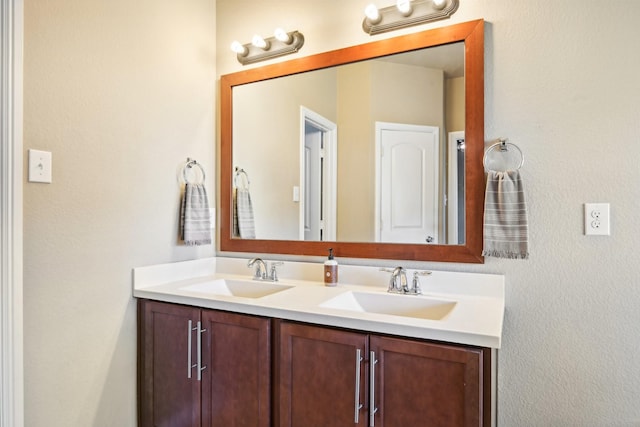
{"points": [[561, 82], [355, 194], [454, 103], [121, 93]]}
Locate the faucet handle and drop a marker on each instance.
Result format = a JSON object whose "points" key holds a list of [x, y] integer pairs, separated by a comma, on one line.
{"points": [[415, 289], [274, 272], [422, 273]]}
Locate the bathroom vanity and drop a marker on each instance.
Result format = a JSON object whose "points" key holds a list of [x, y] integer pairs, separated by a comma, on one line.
{"points": [[218, 348]]}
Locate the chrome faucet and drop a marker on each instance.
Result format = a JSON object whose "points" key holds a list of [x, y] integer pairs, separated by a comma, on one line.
{"points": [[398, 283], [261, 268]]}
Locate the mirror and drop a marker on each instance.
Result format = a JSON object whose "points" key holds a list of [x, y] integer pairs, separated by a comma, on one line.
{"points": [[268, 113], [313, 128]]}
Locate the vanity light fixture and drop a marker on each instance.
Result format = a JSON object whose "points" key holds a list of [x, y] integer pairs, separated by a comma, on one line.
{"points": [[261, 49], [406, 13]]}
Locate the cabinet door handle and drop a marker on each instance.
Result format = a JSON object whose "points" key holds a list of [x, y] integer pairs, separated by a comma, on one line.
{"points": [[372, 388], [199, 344], [357, 405], [190, 364]]}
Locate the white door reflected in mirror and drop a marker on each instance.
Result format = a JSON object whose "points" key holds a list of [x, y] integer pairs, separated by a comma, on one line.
{"points": [[408, 184]]}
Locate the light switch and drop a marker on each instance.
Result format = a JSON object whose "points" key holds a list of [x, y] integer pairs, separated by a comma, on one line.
{"points": [[40, 166]]}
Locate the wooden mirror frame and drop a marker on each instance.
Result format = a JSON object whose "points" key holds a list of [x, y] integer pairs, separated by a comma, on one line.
{"points": [[472, 34]]}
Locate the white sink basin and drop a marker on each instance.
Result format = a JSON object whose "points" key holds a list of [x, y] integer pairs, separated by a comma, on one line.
{"points": [[237, 288], [415, 306]]}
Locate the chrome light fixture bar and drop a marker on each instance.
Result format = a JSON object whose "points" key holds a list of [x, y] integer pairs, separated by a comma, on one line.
{"points": [[281, 43], [405, 14]]}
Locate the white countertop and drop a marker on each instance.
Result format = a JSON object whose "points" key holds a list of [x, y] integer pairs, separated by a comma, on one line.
{"points": [[476, 318]]}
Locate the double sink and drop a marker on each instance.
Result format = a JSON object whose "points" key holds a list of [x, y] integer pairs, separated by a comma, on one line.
{"points": [[456, 307], [412, 306]]}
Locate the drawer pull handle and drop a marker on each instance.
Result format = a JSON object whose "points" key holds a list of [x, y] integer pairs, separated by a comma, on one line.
{"points": [[358, 405], [372, 389], [199, 343], [190, 365]]}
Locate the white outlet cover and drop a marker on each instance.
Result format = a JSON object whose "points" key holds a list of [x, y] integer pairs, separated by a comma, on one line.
{"points": [[596, 219], [40, 166]]}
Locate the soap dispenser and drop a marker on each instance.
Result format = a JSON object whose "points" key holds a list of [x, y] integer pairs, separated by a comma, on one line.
{"points": [[330, 270]]}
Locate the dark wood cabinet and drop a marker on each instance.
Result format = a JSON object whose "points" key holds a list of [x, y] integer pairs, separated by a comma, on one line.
{"points": [[426, 384], [321, 376], [210, 368], [232, 353], [167, 397], [236, 388], [398, 383]]}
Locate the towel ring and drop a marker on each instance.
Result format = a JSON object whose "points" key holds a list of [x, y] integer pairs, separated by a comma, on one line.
{"points": [[239, 172], [190, 164], [503, 146]]}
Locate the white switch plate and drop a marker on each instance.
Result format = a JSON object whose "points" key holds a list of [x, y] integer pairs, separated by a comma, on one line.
{"points": [[596, 219], [40, 166]]}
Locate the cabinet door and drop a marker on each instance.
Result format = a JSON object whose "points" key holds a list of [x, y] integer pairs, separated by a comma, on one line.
{"points": [[167, 396], [236, 381], [322, 381], [425, 384]]}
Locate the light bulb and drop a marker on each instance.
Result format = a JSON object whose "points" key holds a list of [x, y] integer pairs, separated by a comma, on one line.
{"points": [[371, 12], [282, 35], [404, 6], [238, 48], [258, 41], [439, 4]]}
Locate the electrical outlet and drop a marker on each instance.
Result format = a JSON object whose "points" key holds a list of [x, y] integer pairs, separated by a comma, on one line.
{"points": [[596, 219]]}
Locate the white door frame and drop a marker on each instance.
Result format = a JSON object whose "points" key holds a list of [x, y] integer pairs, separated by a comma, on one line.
{"points": [[11, 304], [330, 131], [452, 186]]}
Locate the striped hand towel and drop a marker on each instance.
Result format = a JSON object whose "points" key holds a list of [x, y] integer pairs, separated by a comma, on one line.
{"points": [[506, 229], [243, 222], [195, 222]]}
